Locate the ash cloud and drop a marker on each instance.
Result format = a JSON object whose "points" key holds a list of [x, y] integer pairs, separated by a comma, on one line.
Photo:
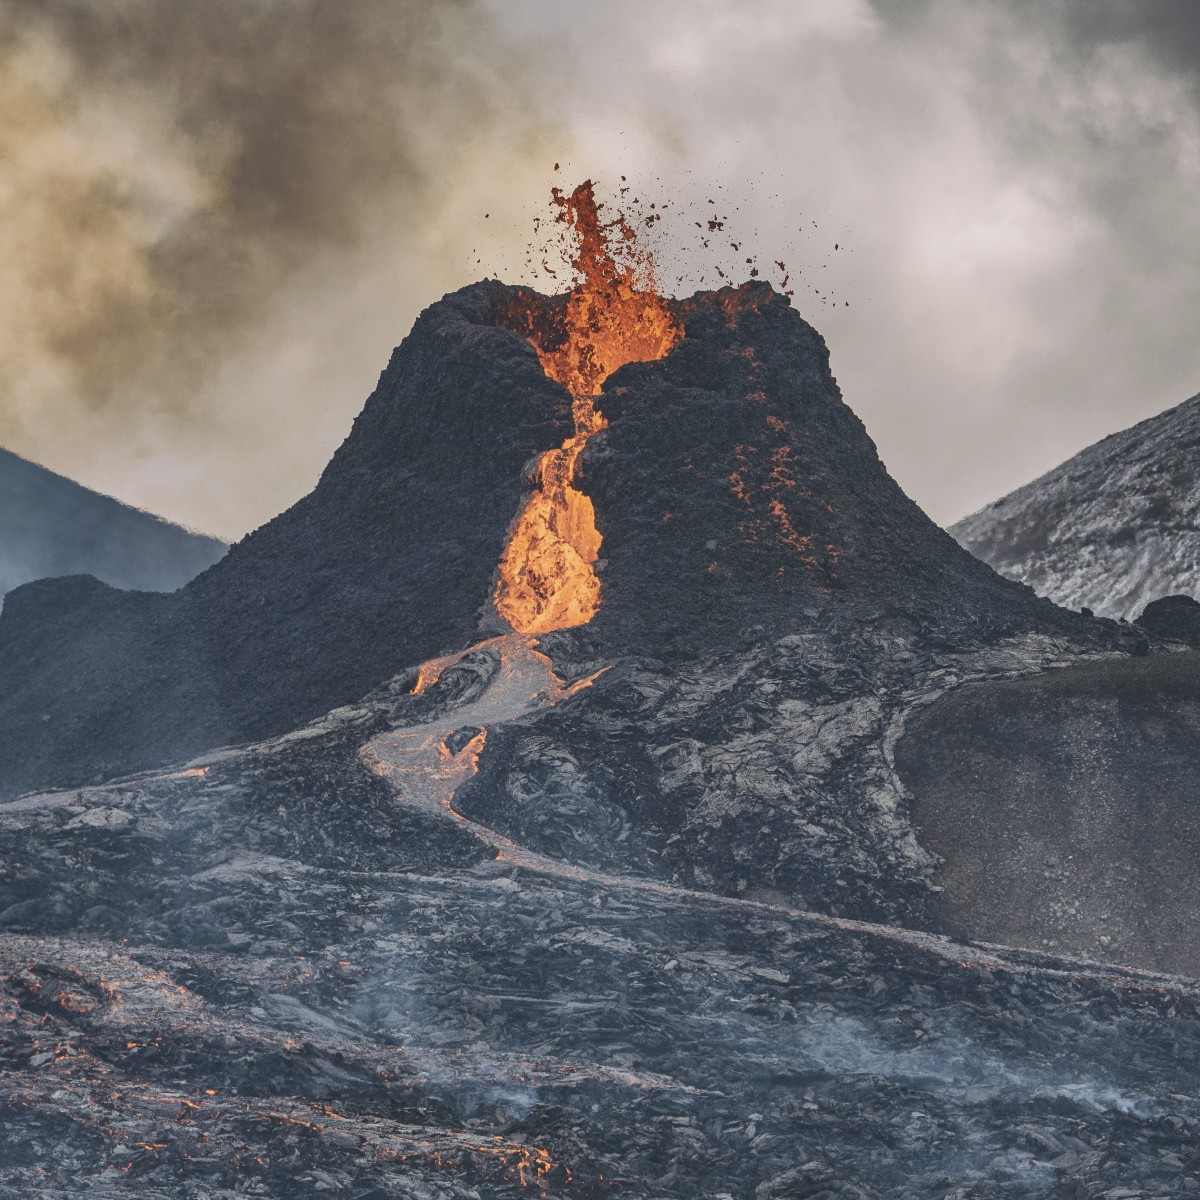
{"points": [[220, 217], [173, 167], [1010, 185], [1169, 29]]}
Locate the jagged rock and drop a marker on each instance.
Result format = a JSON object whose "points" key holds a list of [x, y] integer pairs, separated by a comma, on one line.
{"points": [[308, 976], [1176, 618], [1111, 529]]}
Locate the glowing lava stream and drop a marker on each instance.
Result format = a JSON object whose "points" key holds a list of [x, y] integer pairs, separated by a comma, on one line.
{"points": [[547, 578], [418, 759], [547, 575], [419, 762]]}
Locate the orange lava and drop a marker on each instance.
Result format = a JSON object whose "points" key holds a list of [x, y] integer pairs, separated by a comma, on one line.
{"points": [[614, 315]]}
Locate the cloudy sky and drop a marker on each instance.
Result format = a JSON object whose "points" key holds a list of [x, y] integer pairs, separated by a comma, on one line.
{"points": [[217, 216]]}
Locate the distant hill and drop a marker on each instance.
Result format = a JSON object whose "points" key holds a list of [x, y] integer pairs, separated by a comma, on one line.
{"points": [[1112, 529], [51, 526]]}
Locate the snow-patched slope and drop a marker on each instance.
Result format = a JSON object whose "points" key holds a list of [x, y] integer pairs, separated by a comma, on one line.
{"points": [[1111, 529]]}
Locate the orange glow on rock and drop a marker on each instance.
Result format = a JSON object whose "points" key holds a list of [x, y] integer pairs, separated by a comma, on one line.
{"points": [[614, 315]]}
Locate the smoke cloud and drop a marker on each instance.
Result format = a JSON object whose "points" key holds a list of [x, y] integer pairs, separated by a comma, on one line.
{"points": [[176, 173], [217, 218], [1010, 188]]}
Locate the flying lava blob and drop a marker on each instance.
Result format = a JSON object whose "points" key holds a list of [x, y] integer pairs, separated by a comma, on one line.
{"points": [[613, 315]]}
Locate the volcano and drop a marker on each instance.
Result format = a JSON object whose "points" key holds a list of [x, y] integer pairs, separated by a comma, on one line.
{"points": [[568, 849], [716, 496]]}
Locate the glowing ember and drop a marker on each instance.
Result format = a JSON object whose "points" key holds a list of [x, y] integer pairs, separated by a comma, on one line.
{"points": [[614, 315]]}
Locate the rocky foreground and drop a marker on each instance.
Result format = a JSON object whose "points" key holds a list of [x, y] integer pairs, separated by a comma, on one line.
{"points": [[305, 967]]}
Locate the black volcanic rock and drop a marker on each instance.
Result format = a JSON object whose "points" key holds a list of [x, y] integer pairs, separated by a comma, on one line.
{"points": [[385, 563], [51, 526], [274, 975], [1176, 618], [735, 492]]}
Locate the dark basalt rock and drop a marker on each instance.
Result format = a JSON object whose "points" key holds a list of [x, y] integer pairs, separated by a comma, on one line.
{"points": [[1064, 806], [737, 492], [734, 489], [1175, 618], [278, 979], [387, 562]]}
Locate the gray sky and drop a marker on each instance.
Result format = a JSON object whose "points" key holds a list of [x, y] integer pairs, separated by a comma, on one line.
{"points": [[217, 218]]}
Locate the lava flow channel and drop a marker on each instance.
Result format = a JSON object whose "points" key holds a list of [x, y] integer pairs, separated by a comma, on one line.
{"points": [[613, 316], [427, 763]]}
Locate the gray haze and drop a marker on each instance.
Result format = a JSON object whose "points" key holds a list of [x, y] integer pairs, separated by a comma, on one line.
{"points": [[186, 186], [222, 216], [50, 526]]}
